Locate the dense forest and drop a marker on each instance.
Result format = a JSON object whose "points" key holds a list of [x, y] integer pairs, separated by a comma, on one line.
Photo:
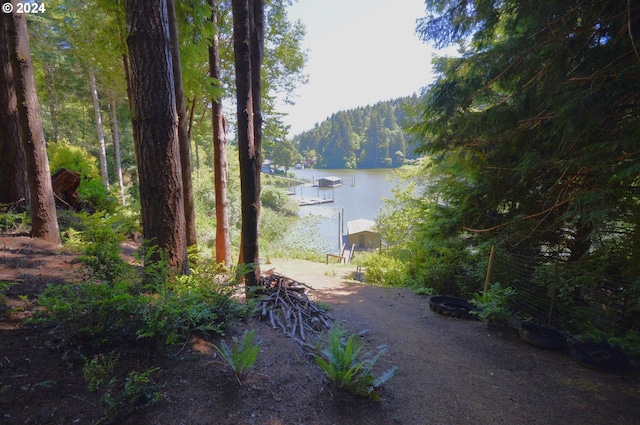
{"points": [[370, 136], [92, 93]]}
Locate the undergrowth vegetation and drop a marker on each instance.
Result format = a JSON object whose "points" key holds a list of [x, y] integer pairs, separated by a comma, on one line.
{"points": [[345, 363], [240, 355], [119, 307]]}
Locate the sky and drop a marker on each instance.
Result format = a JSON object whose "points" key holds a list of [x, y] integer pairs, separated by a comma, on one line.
{"points": [[359, 52]]}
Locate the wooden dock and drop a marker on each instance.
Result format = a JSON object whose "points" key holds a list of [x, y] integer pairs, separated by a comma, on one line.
{"points": [[314, 201]]}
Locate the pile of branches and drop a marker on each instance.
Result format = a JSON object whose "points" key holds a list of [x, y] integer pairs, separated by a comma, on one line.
{"points": [[284, 302]]}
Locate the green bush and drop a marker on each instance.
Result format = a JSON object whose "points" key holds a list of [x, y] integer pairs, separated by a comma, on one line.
{"points": [[92, 312], [102, 249], [4, 308], [91, 191], [385, 270], [200, 301], [138, 391], [97, 369], [96, 312], [276, 200], [495, 304], [350, 369], [273, 226], [14, 222]]}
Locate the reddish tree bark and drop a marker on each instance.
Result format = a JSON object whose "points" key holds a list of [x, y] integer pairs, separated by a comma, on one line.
{"points": [[155, 129], [14, 184], [183, 134], [44, 223], [249, 153], [220, 165]]}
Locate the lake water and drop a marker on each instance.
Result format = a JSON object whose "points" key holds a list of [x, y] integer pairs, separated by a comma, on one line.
{"points": [[360, 196]]}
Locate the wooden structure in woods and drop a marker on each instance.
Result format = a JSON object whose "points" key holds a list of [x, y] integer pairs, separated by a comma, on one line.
{"points": [[361, 233]]}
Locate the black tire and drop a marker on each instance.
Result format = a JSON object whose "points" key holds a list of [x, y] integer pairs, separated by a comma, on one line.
{"points": [[453, 306], [599, 356], [542, 336]]}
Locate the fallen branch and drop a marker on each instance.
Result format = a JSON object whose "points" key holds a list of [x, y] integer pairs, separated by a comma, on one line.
{"points": [[284, 302]]}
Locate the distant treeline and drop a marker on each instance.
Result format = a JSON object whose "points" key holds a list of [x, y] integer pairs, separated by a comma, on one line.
{"points": [[365, 137]]}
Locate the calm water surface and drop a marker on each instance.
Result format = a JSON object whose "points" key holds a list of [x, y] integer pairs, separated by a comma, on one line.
{"points": [[360, 196]]}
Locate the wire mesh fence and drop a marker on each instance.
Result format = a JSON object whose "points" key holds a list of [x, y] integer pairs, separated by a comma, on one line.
{"points": [[572, 296]]}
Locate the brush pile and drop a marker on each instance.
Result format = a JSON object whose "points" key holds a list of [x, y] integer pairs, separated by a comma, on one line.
{"points": [[284, 302]]}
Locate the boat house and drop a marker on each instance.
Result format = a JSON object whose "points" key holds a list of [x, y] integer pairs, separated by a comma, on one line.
{"points": [[362, 234], [266, 167], [331, 181]]}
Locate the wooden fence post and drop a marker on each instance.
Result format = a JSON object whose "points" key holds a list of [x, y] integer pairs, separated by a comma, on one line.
{"points": [[487, 280]]}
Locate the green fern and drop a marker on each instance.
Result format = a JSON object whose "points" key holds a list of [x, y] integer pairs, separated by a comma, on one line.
{"points": [[241, 355], [343, 362]]}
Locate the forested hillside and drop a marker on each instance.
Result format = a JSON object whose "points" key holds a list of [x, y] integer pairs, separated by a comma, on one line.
{"points": [[371, 136]]}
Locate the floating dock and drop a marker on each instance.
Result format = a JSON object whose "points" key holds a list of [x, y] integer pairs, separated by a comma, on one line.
{"points": [[314, 201]]}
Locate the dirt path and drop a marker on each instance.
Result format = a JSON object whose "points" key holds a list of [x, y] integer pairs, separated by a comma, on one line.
{"points": [[451, 371], [462, 372]]}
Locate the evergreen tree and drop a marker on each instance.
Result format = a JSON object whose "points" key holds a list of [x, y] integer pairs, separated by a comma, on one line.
{"points": [[535, 126], [44, 223], [355, 138], [156, 130]]}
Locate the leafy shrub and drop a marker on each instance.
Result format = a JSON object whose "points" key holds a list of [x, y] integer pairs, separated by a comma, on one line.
{"points": [[200, 301], [345, 364], [4, 308], [494, 304], [14, 221], [102, 249], [629, 342], [91, 312], [385, 270], [241, 355], [276, 200], [98, 236], [75, 158], [273, 226], [96, 312], [139, 391], [97, 369]]}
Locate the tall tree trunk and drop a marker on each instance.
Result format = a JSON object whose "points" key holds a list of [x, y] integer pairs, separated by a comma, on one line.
{"points": [[196, 152], [248, 151], [14, 184], [155, 129], [257, 52], [183, 134], [49, 80], [99, 128], [127, 78], [220, 166], [44, 223], [115, 136]]}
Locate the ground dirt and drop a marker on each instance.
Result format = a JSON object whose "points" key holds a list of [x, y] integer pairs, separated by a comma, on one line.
{"points": [[451, 371]]}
